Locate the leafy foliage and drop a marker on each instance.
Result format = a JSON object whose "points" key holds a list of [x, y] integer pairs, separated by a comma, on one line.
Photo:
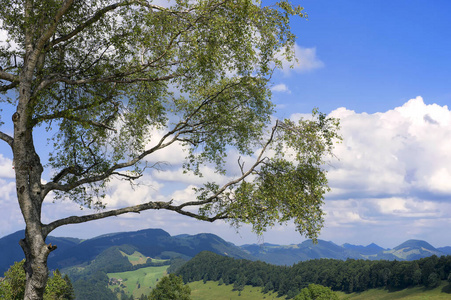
{"points": [[13, 285], [109, 75], [116, 81], [171, 287], [316, 292], [94, 287]]}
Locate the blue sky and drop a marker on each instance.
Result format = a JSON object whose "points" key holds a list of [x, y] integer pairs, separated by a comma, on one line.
{"points": [[384, 69], [376, 54]]}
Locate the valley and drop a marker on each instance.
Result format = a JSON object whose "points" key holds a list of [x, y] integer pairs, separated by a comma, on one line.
{"points": [[129, 264]]}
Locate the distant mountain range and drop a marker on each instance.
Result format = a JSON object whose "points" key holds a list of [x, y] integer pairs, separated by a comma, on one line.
{"points": [[277, 254], [157, 243]]}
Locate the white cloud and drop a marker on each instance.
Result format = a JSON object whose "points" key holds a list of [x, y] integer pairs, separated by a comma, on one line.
{"points": [[393, 171], [177, 175], [408, 207], [122, 194], [6, 191], [400, 151], [6, 167], [307, 60], [174, 154], [281, 88], [4, 39]]}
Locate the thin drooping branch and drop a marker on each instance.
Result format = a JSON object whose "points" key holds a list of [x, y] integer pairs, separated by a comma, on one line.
{"points": [[258, 161], [164, 205], [181, 128], [8, 139], [117, 78], [65, 113], [97, 16], [50, 186], [131, 209]]}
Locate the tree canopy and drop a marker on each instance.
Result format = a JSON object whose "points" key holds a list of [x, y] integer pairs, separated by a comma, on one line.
{"points": [[171, 287], [103, 77]]}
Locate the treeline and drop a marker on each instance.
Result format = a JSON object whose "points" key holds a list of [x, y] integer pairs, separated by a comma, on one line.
{"points": [[348, 276]]}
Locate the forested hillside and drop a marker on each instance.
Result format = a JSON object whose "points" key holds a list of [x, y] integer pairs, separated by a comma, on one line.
{"points": [[348, 276]]}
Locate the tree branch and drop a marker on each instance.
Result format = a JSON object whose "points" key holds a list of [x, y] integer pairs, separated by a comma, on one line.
{"points": [[8, 76], [183, 127], [97, 17], [50, 31], [258, 161], [8, 139], [117, 78], [50, 186], [4, 88], [135, 209], [81, 219], [65, 113]]}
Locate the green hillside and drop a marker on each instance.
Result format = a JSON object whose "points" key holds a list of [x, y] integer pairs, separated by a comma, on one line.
{"points": [[148, 277], [136, 282], [212, 290], [441, 292]]}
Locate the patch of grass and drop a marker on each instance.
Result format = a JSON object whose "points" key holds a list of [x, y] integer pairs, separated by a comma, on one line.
{"points": [[415, 293], [136, 258], [211, 290], [140, 281]]}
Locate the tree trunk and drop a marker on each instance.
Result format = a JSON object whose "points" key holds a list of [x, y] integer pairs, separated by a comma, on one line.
{"points": [[28, 169], [28, 176], [36, 253]]}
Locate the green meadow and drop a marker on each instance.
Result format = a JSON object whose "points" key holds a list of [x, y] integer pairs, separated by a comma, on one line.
{"points": [[211, 290], [441, 292], [142, 280], [138, 282]]}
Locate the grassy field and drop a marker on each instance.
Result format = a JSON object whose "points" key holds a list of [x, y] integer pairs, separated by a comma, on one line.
{"points": [[211, 290], [416, 293], [136, 258], [140, 281]]}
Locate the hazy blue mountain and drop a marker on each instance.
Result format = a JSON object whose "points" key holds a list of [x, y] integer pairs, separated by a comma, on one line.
{"points": [[371, 249], [150, 242], [446, 250], [288, 255], [11, 251], [158, 243], [414, 249]]}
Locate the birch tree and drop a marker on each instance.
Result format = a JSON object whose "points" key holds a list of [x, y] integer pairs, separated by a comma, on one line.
{"points": [[102, 75]]}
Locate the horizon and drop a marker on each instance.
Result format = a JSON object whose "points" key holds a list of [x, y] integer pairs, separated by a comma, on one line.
{"points": [[240, 245], [383, 68]]}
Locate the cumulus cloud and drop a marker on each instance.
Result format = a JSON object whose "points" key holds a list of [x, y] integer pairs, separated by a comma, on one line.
{"points": [[306, 60], [6, 167], [172, 155], [121, 193], [393, 170], [400, 151], [281, 88], [4, 39]]}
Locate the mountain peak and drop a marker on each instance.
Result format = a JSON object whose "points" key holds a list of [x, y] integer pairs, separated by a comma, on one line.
{"points": [[416, 244]]}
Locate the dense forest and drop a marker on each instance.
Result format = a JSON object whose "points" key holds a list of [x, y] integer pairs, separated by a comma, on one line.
{"points": [[348, 276]]}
